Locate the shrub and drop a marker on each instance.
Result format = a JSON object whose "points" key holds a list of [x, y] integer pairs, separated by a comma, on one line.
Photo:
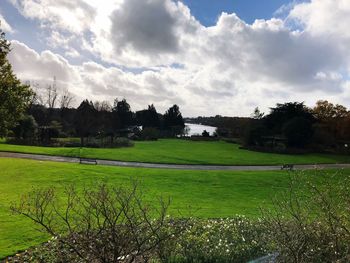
{"points": [[106, 224], [205, 133], [122, 142], [216, 240], [312, 222], [236, 239], [149, 134], [26, 129]]}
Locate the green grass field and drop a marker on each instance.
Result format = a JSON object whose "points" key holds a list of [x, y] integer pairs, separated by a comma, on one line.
{"points": [[205, 194], [183, 152], [210, 194]]}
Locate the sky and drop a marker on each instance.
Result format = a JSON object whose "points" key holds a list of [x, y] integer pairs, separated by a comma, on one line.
{"points": [[222, 57]]}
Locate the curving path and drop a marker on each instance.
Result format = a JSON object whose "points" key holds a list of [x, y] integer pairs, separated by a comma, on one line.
{"points": [[41, 157]]}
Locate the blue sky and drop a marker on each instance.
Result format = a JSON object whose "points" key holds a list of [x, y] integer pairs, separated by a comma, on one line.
{"points": [[152, 51], [207, 11]]}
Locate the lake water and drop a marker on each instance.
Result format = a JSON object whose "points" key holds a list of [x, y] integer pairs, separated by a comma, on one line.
{"points": [[197, 129]]}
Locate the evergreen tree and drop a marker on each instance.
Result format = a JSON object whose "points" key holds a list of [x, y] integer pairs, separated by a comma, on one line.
{"points": [[283, 113], [85, 120], [173, 117], [148, 118], [173, 120], [294, 121], [123, 112]]}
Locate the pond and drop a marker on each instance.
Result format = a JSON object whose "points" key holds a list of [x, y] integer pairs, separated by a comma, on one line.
{"points": [[197, 129]]}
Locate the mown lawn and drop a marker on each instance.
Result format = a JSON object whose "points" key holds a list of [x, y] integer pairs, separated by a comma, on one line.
{"points": [[198, 193], [183, 152], [206, 194]]}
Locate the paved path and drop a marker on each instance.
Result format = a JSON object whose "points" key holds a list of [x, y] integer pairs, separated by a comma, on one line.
{"points": [[40, 157]]}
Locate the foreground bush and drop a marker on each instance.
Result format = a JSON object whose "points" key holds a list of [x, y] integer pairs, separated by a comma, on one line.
{"points": [[190, 241], [106, 224], [237, 239], [311, 222], [109, 224]]}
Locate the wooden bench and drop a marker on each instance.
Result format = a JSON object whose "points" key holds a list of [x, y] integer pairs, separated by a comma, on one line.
{"points": [[289, 167], [87, 161]]}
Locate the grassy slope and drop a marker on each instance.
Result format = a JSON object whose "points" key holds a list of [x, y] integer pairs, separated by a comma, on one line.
{"points": [[211, 194], [183, 152]]}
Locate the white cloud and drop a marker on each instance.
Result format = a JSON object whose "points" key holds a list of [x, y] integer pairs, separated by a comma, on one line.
{"points": [[5, 26], [58, 40], [72, 53], [146, 26], [92, 80], [31, 65], [143, 33], [73, 16], [326, 18], [230, 67]]}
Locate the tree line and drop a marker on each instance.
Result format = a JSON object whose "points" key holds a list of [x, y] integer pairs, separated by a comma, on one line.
{"points": [[290, 125], [293, 125], [98, 119]]}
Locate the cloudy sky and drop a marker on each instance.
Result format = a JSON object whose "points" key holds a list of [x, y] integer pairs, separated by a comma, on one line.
{"points": [[209, 57]]}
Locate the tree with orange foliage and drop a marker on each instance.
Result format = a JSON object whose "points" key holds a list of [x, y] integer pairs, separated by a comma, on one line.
{"points": [[334, 120]]}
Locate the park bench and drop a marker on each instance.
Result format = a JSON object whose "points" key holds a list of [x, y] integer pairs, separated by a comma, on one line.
{"points": [[87, 161], [289, 167]]}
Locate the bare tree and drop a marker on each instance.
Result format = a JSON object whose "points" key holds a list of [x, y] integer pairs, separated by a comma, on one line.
{"points": [[66, 99], [37, 96], [103, 106], [52, 94], [107, 224], [257, 114], [311, 221]]}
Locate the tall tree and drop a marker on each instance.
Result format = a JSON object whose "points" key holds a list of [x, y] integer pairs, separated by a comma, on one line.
{"points": [[66, 99], [152, 117], [334, 120], [173, 120], [148, 118], [52, 94], [103, 106], [324, 111], [105, 118], [14, 96], [124, 113], [257, 114], [173, 117], [85, 120], [283, 113], [293, 120]]}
